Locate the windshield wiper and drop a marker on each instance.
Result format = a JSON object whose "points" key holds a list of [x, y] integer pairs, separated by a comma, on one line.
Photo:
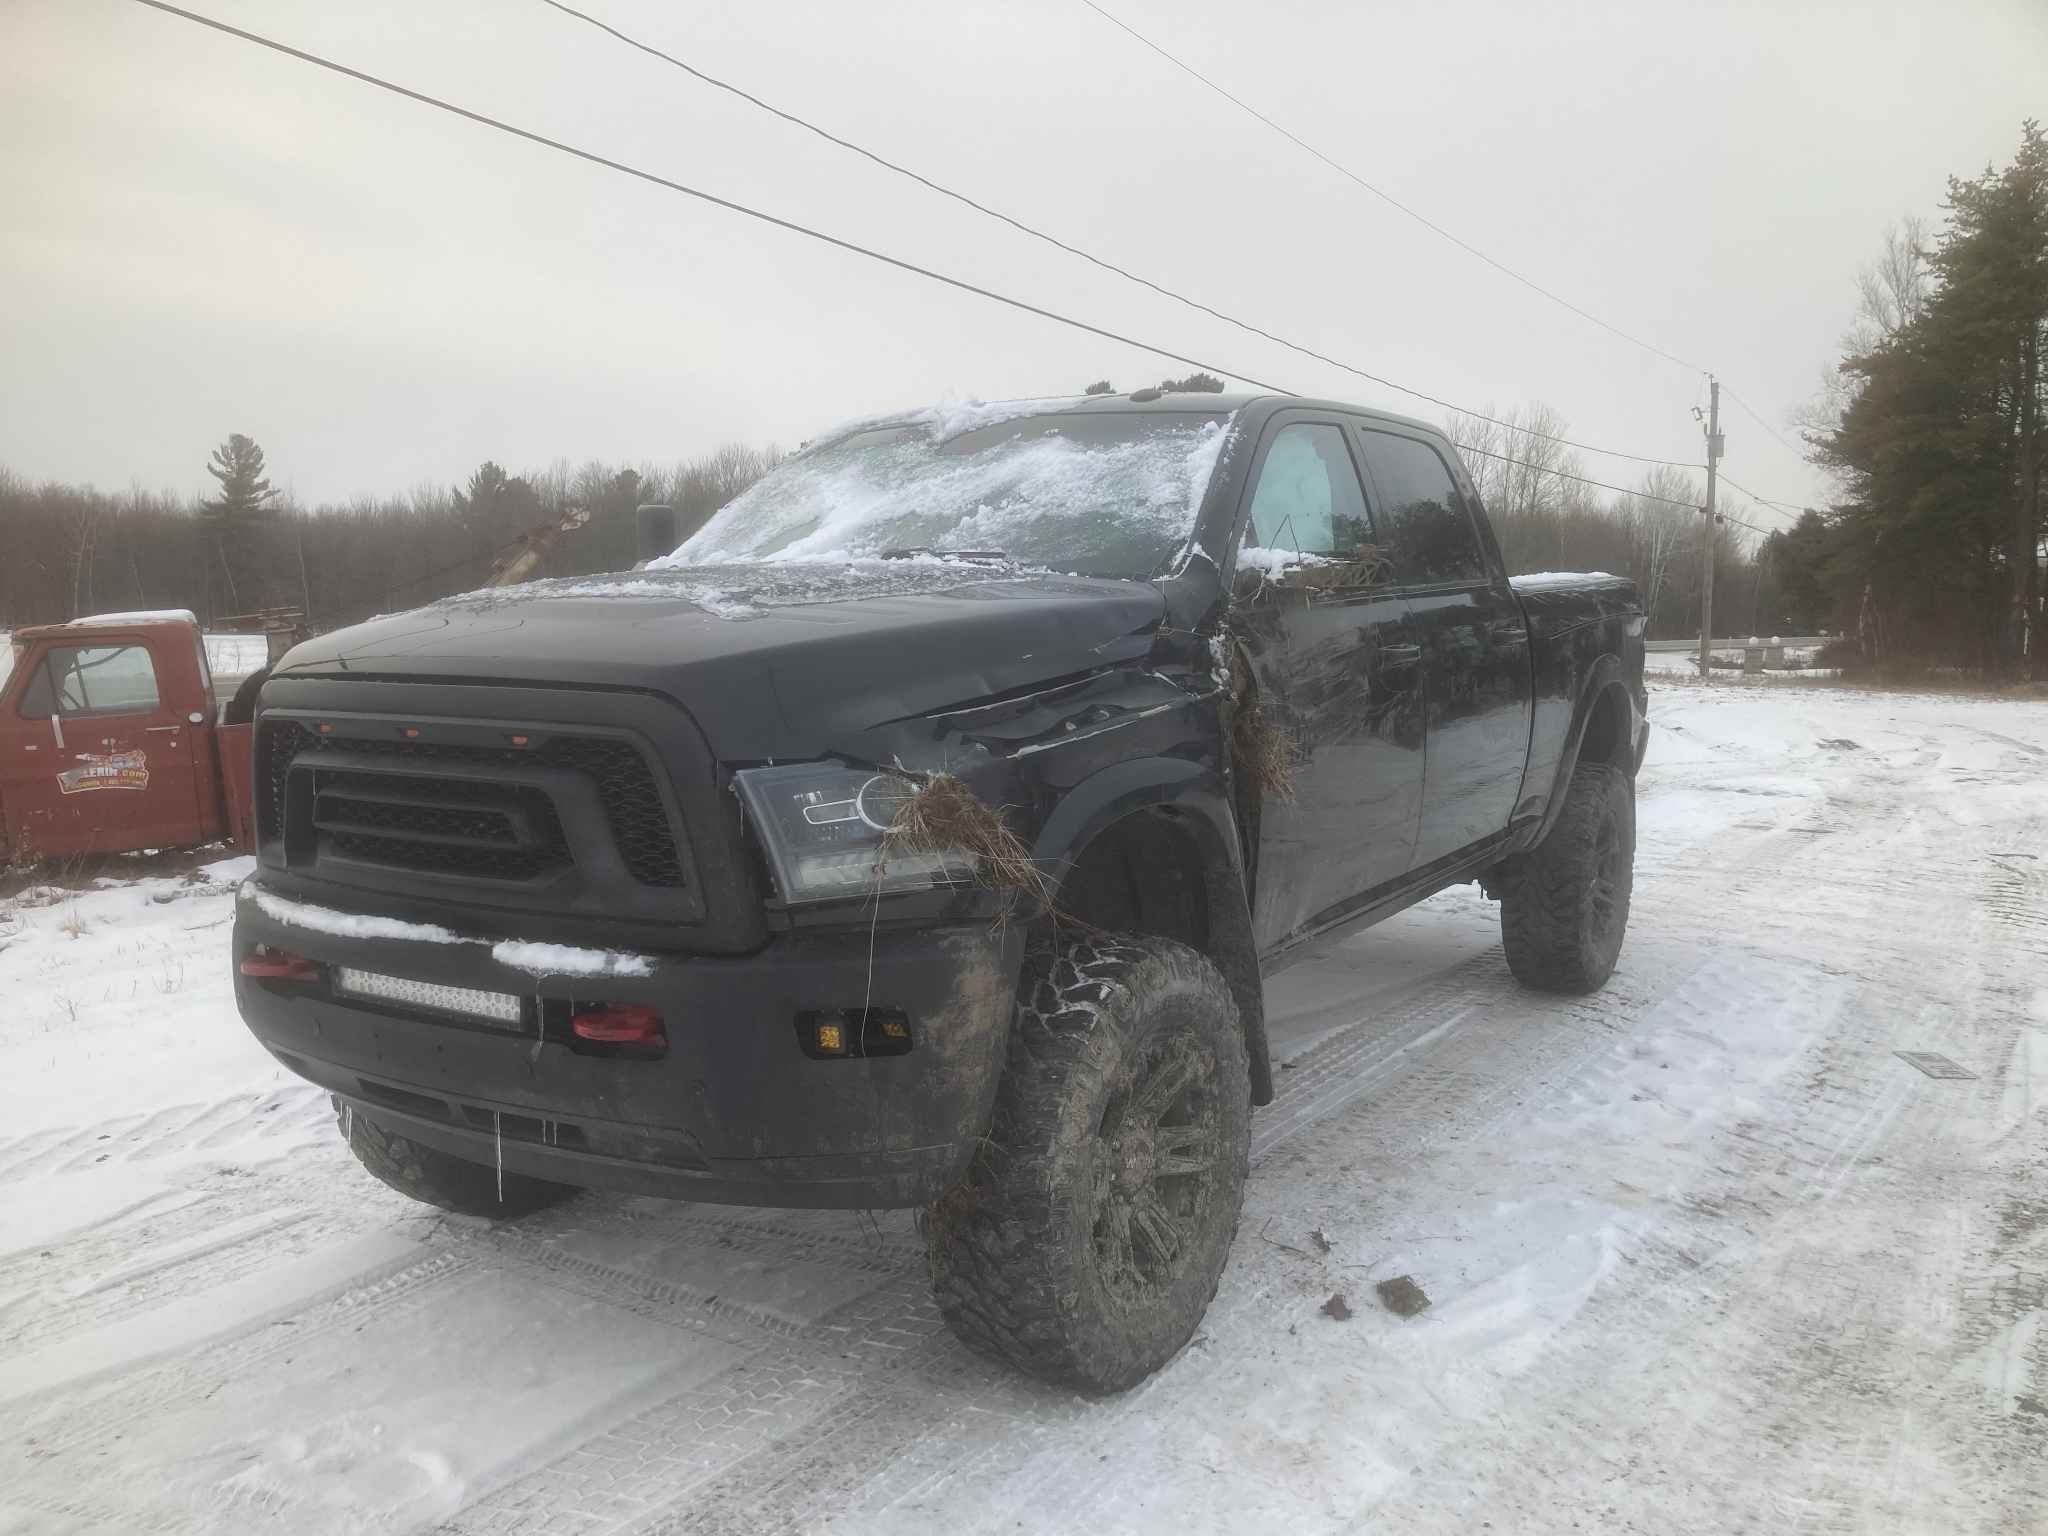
{"points": [[987, 556]]}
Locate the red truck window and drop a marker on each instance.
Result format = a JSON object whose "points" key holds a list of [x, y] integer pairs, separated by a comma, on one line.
{"points": [[92, 680]]}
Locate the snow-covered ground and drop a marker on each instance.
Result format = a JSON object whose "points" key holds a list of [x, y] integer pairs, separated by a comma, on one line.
{"points": [[1703, 1253]]}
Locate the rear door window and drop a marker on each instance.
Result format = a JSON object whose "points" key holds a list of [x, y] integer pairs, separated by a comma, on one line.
{"points": [[1427, 521], [76, 680]]}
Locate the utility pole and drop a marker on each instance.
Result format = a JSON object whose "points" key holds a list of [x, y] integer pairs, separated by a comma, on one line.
{"points": [[1714, 446]]}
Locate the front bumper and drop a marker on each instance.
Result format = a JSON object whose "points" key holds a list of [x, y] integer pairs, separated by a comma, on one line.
{"points": [[734, 1112]]}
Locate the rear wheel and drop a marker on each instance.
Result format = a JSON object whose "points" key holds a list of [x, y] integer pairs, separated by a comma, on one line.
{"points": [[440, 1178], [1564, 904], [1088, 1238]]}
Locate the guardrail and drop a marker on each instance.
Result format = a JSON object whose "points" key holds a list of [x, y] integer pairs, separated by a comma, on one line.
{"points": [[1757, 653], [1784, 642]]}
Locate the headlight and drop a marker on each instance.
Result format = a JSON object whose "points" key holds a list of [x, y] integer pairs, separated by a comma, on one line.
{"points": [[823, 826]]}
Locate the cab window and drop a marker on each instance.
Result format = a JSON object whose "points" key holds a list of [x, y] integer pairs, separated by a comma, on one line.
{"points": [[78, 680], [1435, 543], [1308, 499]]}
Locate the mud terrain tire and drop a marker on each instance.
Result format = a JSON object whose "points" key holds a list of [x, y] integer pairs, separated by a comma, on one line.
{"points": [[1087, 1239], [439, 1178], [1564, 904]]}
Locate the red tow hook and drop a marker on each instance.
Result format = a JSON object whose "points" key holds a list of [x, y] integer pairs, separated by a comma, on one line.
{"points": [[620, 1024], [279, 965]]}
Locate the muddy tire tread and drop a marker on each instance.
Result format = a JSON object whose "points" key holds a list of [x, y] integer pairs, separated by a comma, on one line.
{"points": [[995, 1282], [1541, 909]]}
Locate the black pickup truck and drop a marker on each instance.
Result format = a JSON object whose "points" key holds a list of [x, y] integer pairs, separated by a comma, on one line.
{"points": [[920, 832]]}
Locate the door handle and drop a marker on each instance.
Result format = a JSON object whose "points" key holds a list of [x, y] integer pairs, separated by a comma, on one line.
{"points": [[1399, 655], [153, 729], [1508, 631]]}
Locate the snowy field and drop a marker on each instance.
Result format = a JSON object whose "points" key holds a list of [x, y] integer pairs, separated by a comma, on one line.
{"points": [[1704, 1254]]}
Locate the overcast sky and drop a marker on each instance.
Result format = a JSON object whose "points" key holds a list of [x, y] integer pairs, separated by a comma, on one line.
{"points": [[201, 237]]}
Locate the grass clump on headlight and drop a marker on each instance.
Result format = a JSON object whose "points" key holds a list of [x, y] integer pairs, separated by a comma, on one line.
{"points": [[942, 815]]}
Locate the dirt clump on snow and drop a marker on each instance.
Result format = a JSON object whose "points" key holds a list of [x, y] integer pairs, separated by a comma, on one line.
{"points": [[1402, 1296]]}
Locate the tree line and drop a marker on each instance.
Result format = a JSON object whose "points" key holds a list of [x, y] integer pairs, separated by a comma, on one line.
{"points": [[1934, 425], [74, 550], [71, 550]]}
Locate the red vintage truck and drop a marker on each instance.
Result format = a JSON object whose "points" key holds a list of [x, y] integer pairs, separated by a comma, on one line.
{"points": [[113, 739]]}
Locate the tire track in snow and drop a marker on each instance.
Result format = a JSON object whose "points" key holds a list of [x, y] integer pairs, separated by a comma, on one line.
{"points": [[180, 1129], [871, 1416], [1793, 1360], [1412, 1053], [892, 1420]]}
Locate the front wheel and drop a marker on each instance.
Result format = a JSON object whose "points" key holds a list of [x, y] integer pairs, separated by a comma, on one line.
{"points": [[1564, 904], [1092, 1228]]}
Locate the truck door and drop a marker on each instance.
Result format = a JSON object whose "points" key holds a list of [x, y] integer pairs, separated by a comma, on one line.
{"points": [[1475, 644], [1338, 670], [95, 759]]}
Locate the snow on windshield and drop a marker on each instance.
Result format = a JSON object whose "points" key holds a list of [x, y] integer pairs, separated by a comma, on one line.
{"points": [[1099, 493]]}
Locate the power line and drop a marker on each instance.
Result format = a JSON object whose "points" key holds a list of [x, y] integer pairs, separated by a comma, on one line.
{"points": [[1730, 517], [1690, 506], [1386, 197], [1074, 250], [1565, 474], [1794, 508], [709, 197], [1753, 416], [674, 186]]}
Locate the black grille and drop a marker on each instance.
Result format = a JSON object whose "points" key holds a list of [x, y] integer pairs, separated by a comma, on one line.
{"points": [[467, 826]]}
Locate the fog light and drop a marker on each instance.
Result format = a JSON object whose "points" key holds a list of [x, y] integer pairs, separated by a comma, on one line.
{"points": [[619, 1024], [853, 1034]]}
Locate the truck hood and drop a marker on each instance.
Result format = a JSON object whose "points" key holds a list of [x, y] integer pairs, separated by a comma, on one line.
{"points": [[771, 660]]}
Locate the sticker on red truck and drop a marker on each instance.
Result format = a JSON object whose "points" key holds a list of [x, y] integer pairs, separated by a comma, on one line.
{"points": [[106, 770]]}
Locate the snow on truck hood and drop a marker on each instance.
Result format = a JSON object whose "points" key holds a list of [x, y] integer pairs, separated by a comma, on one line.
{"points": [[839, 592], [749, 589], [775, 660]]}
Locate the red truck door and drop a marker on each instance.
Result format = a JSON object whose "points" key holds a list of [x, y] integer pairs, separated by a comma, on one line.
{"points": [[97, 748]]}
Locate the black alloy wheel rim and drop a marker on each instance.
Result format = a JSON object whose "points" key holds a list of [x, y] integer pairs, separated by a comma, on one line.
{"points": [[1156, 1162]]}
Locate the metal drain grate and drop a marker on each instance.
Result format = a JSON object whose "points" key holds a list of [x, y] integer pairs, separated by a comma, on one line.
{"points": [[1933, 1064]]}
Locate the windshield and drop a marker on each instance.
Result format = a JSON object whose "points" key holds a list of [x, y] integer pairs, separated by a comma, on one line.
{"points": [[1110, 493]]}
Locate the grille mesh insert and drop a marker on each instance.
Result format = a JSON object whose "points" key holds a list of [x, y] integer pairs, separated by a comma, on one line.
{"points": [[469, 813]]}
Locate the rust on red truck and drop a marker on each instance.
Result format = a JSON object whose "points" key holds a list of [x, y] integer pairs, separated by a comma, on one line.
{"points": [[111, 740]]}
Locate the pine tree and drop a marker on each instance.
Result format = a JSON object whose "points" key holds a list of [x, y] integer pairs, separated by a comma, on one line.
{"points": [[230, 522], [1943, 441], [244, 494]]}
